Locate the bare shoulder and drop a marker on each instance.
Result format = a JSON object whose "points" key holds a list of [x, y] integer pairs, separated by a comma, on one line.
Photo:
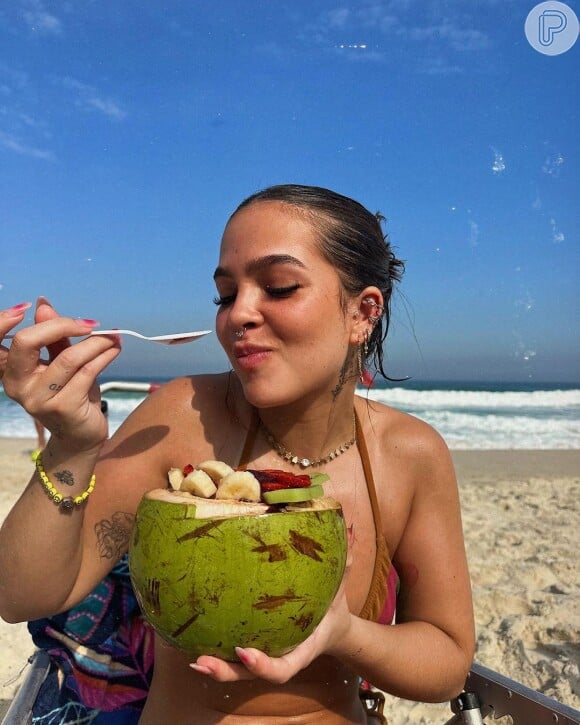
{"points": [[178, 417], [415, 446], [413, 472], [189, 395]]}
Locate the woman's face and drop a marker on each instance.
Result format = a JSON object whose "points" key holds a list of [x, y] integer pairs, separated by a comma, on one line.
{"points": [[273, 280]]}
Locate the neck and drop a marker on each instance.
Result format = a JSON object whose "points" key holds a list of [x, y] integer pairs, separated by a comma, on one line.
{"points": [[312, 433]]}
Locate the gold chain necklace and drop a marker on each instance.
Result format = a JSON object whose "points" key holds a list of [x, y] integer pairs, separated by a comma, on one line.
{"points": [[295, 460]]}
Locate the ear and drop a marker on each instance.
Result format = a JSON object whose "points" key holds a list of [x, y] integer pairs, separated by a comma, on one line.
{"points": [[367, 310]]}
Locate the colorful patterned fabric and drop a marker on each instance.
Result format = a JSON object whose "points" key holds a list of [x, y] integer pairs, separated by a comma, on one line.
{"points": [[101, 654]]}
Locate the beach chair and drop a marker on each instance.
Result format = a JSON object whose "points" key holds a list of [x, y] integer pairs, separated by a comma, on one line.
{"points": [[487, 696]]}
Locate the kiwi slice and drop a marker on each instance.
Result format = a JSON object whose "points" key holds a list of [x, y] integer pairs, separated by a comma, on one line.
{"points": [[293, 495]]}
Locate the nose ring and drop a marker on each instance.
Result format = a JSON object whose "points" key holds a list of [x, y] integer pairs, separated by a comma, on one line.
{"points": [[241, 332]]}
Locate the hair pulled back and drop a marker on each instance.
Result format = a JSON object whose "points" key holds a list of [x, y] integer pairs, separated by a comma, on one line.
{"points": [[352, 240]]}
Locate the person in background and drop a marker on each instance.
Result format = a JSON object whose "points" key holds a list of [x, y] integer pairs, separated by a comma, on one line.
{"points": [[304, 283]]}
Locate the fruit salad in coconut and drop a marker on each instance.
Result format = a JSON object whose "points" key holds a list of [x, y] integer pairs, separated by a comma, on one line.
{"points": [[223, 558]]}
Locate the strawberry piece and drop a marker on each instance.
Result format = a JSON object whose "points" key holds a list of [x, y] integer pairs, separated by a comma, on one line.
{"points": [[188, 469], [280, 479], [268, 486]]}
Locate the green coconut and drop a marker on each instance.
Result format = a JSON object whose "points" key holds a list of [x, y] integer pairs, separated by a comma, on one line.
{"points": [[214, 575]]}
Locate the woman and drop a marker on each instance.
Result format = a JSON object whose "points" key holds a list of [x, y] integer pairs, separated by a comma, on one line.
{"points": [[304, 282]]}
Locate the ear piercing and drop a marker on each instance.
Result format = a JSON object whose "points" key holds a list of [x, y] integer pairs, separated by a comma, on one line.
{"points": [[379, 309], [241, 332]]}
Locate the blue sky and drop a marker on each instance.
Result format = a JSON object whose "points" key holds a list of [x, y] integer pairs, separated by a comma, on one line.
{"points": [[130, 130]]}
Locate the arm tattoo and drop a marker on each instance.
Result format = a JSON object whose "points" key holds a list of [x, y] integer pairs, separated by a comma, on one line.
{"points": [[65, 477], [113, 536]]}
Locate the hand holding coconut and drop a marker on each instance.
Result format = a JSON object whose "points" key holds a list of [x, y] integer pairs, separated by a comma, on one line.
{"points": [[254, 619], [275, 545], [279, 670]]}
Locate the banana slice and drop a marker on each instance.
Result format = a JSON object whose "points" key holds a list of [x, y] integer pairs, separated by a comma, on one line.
{"points": [[199, 484], [216, 470], [175, 477], [239, 485]]}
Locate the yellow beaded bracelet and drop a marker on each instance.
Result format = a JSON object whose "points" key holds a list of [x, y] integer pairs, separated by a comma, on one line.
{"points": [[66, 503]]}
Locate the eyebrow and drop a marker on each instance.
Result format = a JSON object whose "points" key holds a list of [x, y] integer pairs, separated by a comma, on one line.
{"points": [[260, 263]]}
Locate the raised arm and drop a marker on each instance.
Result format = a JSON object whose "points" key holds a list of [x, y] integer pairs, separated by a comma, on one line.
{"points": [[40, 543]]}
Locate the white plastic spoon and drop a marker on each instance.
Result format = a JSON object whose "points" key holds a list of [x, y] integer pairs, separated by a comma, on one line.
{"points": [[177, 338]]}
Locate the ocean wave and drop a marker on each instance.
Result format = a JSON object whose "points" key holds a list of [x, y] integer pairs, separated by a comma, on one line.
{"points": [[477, 399], [467, 431], [466, 419]]}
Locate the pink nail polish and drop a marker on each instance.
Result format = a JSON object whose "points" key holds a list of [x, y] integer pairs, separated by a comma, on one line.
{"points": [[246, 657], [17, 310], [200, 668], [89, 323]]}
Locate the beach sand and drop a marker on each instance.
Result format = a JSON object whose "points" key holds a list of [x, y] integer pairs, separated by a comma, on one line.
{"points": [[520, 516]]}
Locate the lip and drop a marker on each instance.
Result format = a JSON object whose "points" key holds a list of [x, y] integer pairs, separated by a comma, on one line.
{"points": [[249, 356]]}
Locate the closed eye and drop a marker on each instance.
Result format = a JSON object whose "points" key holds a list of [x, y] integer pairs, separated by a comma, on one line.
{"points": [[281, 291], [224, 301], [275, 292]]}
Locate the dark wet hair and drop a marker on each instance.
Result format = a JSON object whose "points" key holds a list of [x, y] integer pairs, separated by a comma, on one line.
{"points": [[352, 240]]}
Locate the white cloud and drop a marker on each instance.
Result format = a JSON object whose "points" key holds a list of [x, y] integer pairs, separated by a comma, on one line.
{"points": [[39, 20], [43, 23], [106, 106], [449, 33], [89, 98], [11, 143], [441, 43], [557, 236]]}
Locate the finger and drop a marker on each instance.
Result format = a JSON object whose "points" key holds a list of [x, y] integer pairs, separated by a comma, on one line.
{"points": [[277, 670], [12, 316], [274, 669], [44, 312], [8, 320], [221, 670], [77, 368], [27, 343]]}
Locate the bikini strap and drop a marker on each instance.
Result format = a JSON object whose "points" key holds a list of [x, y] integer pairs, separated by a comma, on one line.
{"points": [[378, 594], [250, 440], [368, 471]]}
